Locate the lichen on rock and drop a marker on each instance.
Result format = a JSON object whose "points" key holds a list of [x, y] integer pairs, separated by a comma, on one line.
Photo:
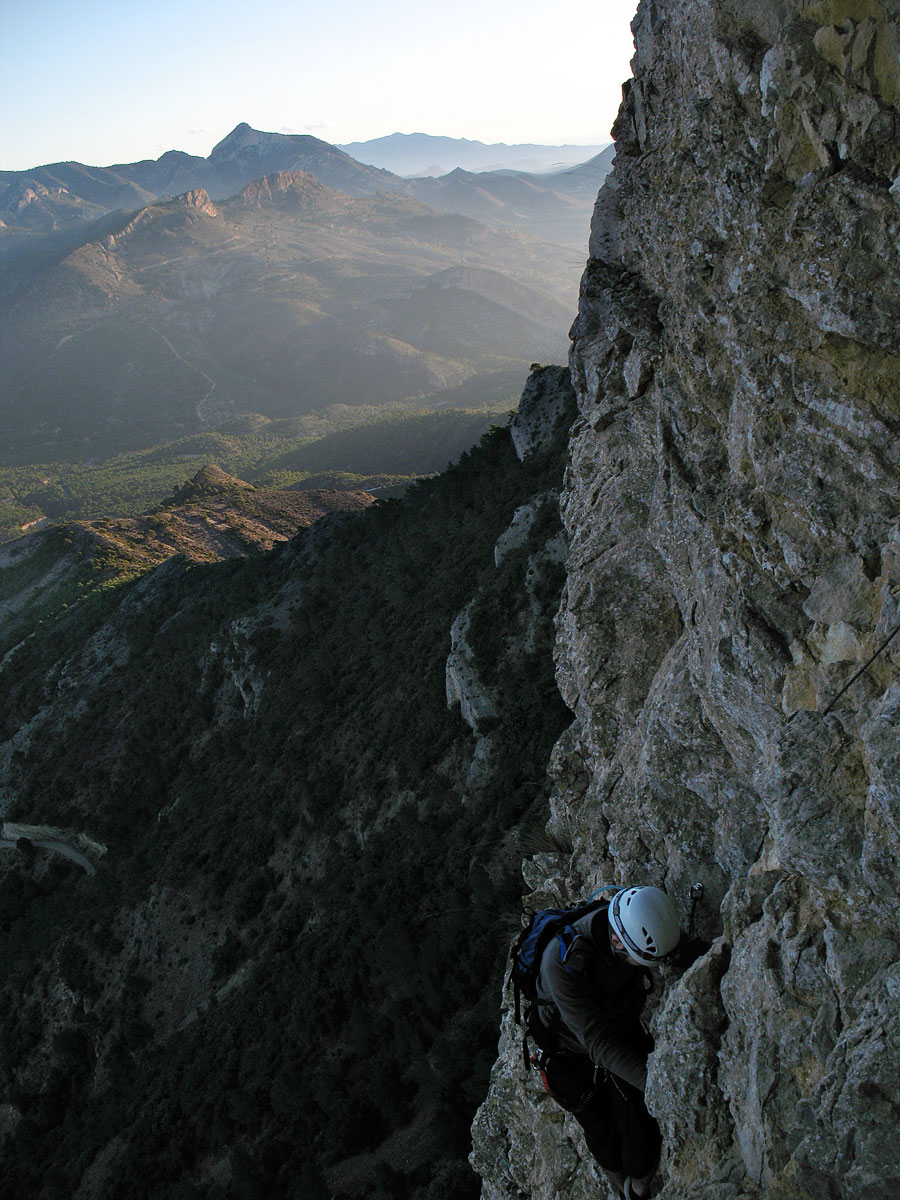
{"points": [[731, 503]]}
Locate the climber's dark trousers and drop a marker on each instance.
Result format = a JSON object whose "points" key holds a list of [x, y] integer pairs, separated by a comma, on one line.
{"points": [[619, 1131]]}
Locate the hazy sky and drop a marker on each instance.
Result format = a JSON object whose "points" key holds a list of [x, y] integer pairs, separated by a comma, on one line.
{"points": [[104, 82]]}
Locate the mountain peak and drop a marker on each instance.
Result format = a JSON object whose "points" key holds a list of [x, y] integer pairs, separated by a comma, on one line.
{"points": [[244, 140], [198, 199], [231, 141], [209, 480]]}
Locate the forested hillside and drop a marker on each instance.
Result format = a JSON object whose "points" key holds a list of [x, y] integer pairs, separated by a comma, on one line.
{"points": [[283, 978], [348, 448]]}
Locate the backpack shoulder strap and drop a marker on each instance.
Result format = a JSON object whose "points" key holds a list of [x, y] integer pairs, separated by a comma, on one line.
{"points": [[529, 949]]}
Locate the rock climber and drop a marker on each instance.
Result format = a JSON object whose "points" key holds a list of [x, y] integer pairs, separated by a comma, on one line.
{"points": [[590, 995]]}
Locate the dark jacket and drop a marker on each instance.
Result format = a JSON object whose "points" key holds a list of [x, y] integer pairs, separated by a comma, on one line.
{"points": [[596, 1000]]}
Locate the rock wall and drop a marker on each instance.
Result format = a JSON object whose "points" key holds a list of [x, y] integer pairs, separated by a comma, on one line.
{"points": [[732, 505]]}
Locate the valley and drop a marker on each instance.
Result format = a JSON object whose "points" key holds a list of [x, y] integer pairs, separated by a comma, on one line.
{"points": [[192, 314], [378, 449], [242, 308]]}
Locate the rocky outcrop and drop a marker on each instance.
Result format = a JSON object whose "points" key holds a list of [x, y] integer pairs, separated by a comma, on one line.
{"points": [[467, 690], [210, 480], [297, 191], [732, 503], [68, 842], [197, 199], [544, 398], [528, 556]]}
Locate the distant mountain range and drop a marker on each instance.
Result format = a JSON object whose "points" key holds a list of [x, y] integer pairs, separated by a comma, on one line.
{"points": [[555, 207], [279, 277], [48, 198], [285, 299], [418, 154], [57, 199]]}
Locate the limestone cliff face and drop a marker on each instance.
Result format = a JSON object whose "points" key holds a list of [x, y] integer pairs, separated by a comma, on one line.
{"points": [[732, 506]]}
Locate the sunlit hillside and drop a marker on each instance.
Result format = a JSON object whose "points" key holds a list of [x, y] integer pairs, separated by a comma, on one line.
{"points": [[282, 301]]}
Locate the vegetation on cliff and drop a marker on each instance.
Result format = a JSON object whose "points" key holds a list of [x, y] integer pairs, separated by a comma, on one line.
{"points": [[283, 978]]}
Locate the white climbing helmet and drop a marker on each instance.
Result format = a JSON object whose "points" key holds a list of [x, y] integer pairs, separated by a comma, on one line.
{"points": [[645, 922]]}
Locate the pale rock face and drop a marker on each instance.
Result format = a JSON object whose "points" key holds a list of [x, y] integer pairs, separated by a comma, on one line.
{"points": [[242, 684], [732, 502], [463, 684], [543, 401], [542, 546], [198, 199], [520, 526]]}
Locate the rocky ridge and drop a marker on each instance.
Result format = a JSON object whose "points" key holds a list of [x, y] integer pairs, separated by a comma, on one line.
{"points": [[298, 190], [212, 517], [732, 507]]}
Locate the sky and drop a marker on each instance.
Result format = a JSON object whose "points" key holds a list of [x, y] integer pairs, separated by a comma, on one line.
{"points": [[101, 82]]}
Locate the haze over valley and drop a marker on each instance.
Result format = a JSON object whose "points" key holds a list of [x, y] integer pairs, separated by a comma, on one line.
{"points": [[278, 290], [415, 154]]}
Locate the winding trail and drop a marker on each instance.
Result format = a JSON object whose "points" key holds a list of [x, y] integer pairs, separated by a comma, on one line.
{"points": [[10, 834], [77, 334], [201, 417]]}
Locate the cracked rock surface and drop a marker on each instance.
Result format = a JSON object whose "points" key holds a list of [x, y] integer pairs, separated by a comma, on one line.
{"points": [[732, 506]]}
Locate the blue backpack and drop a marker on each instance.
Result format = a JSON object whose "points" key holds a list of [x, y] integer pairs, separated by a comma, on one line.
{"points": [[526, 955]]}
